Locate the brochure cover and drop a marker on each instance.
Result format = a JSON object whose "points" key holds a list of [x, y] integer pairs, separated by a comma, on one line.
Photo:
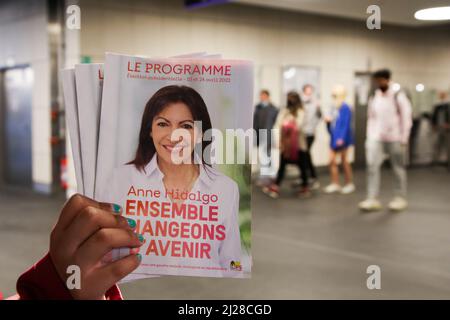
{"points": [[70, 100], [156, 159], [89, 85]]}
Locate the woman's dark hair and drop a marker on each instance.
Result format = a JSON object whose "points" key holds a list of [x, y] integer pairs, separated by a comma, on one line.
{"points": [[294, 102], [161, 99]]}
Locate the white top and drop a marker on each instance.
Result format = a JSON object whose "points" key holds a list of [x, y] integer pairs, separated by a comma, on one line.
{"points": [[224, 199], [389, 116], [312, 118]]}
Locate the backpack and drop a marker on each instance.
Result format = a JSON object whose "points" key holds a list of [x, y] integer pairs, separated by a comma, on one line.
{"points": [[397, 104], [289, 140]]}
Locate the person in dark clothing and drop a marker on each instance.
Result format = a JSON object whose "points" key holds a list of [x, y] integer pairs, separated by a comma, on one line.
{"points": [[441, 125], [264, 118]]}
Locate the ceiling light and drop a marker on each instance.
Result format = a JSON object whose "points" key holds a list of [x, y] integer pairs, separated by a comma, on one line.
{"points": [[420, 87], [439, 13], [396, 86]]}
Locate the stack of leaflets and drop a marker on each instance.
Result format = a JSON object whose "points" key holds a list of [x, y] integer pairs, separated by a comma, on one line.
{"points": [[168, 139]]}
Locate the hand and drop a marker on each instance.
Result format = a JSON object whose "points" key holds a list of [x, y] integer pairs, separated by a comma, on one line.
{"points": [[340, 142], [85, 232]]}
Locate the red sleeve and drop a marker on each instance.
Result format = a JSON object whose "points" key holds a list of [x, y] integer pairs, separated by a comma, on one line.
{"points": [[42, 282]]}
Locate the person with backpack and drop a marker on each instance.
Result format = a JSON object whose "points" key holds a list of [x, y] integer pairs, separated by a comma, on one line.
{"points": [[389, 122], [292, 141], [341, 134]]}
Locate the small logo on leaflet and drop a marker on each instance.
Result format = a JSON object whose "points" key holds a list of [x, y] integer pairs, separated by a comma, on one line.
{"points": [[236, 265]]}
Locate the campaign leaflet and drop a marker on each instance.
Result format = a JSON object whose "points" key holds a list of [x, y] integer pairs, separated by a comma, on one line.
{"points": [[83, 88], [195, 215], [89, 87], [70, 100], [89, 84]]}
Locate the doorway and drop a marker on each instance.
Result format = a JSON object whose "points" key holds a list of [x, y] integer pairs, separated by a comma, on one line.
{"points": [[15, 126], [295, 77], [362, 89]]}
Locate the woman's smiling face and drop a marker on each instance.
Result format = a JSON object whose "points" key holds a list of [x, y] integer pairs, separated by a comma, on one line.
{"points": [[171, 147]]}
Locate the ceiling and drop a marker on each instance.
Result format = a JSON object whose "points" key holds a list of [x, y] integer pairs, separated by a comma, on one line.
{"points": [[400, 12]]}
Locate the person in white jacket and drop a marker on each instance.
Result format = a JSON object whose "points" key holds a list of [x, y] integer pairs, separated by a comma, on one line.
{"points": [[313, 116], [389, 122]]}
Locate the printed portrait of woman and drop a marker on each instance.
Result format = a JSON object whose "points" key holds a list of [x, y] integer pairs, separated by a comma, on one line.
{"points": [[168, 162]]}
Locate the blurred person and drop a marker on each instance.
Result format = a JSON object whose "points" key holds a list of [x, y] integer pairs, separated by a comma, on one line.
{"points": [[312, 118], [441, 125], [264, 117], [292, 142], [84, 235], [341, 134], [389, 121]]}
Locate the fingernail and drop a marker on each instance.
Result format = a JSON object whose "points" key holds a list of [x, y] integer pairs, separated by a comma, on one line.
{"points": [[141, 237], [131, 223], [134, 250], [139, 257], [116, 208]]}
